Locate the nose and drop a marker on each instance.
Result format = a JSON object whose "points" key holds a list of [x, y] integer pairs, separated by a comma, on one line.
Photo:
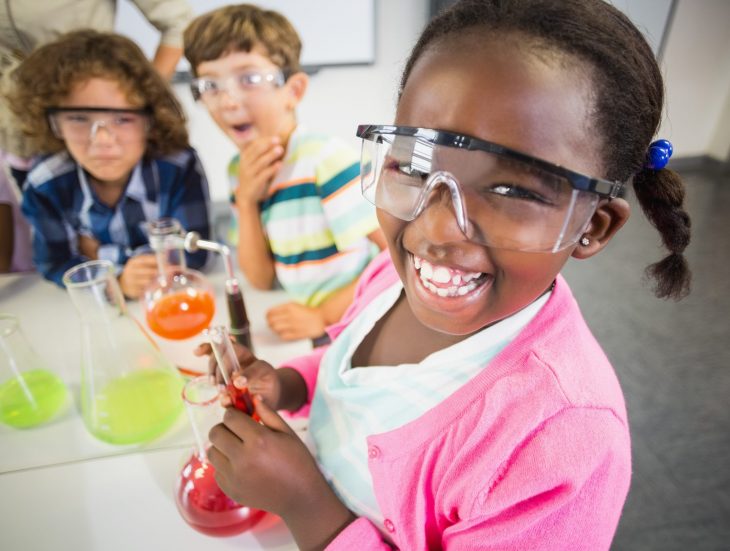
{"points": [[441, 214], [100, 137]]}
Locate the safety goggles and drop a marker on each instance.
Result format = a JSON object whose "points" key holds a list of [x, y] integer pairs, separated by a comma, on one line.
{"points": [[500, 197], [210, 90], [82, 124]]}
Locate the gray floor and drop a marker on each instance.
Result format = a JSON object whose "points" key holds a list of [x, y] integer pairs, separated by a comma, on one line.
{"points": [[673, 361]]}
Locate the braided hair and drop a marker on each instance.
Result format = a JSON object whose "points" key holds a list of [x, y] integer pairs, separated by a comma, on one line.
{"points": [[629, 97]]}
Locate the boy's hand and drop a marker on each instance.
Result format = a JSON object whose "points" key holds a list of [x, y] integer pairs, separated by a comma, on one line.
{"points": [[259, 162], [292, 321], [138, 273], [266, 466], [88, 247]]}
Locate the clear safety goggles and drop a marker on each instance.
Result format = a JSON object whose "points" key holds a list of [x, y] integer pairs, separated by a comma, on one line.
{"points": [[210, 89], [500, 197], [82, 124]]}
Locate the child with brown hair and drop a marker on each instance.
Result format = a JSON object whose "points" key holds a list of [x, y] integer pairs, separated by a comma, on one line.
{"points": [[117, 156], [300, 217]]}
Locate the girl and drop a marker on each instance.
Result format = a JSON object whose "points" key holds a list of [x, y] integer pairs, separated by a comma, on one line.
{"points": [[119, 156], [463, 402]]}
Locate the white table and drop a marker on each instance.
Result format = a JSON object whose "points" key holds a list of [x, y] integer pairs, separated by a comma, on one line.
{"points": [[60, 488]]}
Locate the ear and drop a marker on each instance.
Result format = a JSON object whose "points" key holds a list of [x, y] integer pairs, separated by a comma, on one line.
{"points": [[610, 215], [296, 86]]}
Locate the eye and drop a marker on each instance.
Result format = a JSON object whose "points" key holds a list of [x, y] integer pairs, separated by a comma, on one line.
{"points": [[76, 118], [122, 120], [207, 86], [515, 191], [405, 168], [250, 80]]}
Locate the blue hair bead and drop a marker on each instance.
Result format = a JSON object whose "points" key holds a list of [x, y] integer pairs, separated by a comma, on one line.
{"points": [[659, 153]]}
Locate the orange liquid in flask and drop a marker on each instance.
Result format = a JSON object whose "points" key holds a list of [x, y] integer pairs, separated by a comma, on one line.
{"points": [[182, 314]]}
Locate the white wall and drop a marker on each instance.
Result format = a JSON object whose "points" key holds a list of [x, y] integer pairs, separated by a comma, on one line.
{"points": [[696, 65], [338, 99]]}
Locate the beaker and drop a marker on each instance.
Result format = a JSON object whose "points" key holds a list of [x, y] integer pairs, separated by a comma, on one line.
{"points": [[179, 303], [199, 499], [30, 393], [129, 392]]}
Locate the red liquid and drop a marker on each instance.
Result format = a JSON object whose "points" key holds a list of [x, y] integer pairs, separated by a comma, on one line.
{"points": [[242, 401], [182, 314], [205, 507]]}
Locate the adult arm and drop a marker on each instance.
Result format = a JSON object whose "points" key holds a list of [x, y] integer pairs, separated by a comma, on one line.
{"points": [[170, 17]]}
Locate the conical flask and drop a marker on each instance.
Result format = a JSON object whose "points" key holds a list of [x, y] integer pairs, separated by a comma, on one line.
{"points": [[180, 303], [30, 393], [129, 392], [199, 499]]}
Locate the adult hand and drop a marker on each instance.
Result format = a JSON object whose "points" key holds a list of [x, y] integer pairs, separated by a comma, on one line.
{"points": [[138, 273], [292, 321], [259, 162], [267, 466]]}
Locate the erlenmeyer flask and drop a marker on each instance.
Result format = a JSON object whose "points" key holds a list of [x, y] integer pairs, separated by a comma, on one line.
{"points": [[179, 303], [199, 499], [129, 392], [30, 393]]}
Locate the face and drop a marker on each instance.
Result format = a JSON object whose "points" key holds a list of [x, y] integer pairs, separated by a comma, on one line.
{"points": [[106, 158], [502, 93], [246, 115]]}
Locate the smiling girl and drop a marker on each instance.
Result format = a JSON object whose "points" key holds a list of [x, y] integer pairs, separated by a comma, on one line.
{"points": [[464, 402]]}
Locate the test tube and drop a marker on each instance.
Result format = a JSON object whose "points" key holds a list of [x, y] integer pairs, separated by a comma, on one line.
{"points": [[228, 365]]}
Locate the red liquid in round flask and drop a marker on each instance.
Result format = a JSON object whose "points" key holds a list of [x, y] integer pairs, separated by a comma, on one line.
{"points": [[205, 507], [199, 499]]}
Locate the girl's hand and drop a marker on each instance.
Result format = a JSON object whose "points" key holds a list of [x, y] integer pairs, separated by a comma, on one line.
{"points": [[259, 162], [268, 467], [292, 321], [258, 376]]}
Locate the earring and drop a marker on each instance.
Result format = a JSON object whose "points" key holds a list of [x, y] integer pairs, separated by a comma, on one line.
{"points": [[584, 241]]}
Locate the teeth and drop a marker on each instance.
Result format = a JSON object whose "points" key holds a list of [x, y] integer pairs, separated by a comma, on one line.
{"points": [[441, 275], [461, 283]]}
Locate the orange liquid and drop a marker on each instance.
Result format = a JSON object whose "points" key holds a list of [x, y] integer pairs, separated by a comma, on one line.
{"points": [[182, 314]]}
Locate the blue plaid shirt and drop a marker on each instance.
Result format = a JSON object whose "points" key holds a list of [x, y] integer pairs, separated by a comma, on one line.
{"points": [[61, 205]]}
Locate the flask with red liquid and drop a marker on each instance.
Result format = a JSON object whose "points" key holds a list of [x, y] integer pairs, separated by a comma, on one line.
{"points": [[199, 499], [180, 302]]}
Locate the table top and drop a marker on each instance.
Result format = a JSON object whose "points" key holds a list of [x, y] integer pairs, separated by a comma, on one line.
{"points": [[69, 487]]}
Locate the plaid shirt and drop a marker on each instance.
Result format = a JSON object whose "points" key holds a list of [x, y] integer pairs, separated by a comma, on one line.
{"points": [[60, 204]]}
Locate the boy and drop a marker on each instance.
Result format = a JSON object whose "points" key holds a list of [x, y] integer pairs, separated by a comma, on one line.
{"points": [[300, 215]]}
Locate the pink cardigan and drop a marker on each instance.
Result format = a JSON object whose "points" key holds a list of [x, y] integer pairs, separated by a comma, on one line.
{"points": [[533, 453]]}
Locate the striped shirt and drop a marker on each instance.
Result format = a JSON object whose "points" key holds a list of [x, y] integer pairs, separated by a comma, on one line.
{"points": [[61, 205], [352, 403], [315, 218]]}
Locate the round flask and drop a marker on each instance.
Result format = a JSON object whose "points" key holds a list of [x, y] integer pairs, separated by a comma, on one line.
{"points": [[180, 302], [199, 499]]}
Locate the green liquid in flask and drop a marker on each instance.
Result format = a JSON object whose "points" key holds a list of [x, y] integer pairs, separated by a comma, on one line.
{"points": [[136, 407], [36, 399]]}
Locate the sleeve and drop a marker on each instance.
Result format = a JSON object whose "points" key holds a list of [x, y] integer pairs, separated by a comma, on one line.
{"points": [[562, 488], [54, 246], [170, 17], [349, 215], [190, 203]]}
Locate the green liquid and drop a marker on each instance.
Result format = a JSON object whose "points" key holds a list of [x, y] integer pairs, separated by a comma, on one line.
{"points": [[136, 407], [35, 399]]}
